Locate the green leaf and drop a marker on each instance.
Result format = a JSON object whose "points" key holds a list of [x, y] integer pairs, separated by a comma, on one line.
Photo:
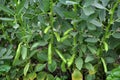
{"points": [[39, 67], [88, 3], [52, 67], [70, 14], [71, 2], [96, 23], [20, 7], [90, 68], [42, 56], [89, 58], [44, 5], [26, 68], [2, 51], [116, 35], [90, 77], [91, 40], [100, 6], [17, 54], [88, 10], [6, 9], [79, 63], [105, 2], [77, 75], [63, 67], [38, 44], [67, 2], [31, 76], [50, 77], [57, 78], [83, 48], [6, 19], [102, 15], [118, 12], [24, 52], [91, 26], [65, 13], [4, 68], [5, 54], [114, 74], [92, 49], [41, 76], [109, 60], [16, 26], [59, 11]]}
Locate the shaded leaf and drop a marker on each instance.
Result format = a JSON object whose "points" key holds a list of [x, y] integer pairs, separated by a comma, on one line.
{"points": [[88, 10], [50, 77], [100, 6], [116, 35], [52, 67], [44, 5], [6, 9], [20, 7], [4, 68], [91, 40], [39, 67], [79, 63], [96, 23], [41, 76], [88, 3]]}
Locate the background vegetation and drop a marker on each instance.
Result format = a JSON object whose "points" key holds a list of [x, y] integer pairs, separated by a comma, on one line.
{"points": [[59, 39]]}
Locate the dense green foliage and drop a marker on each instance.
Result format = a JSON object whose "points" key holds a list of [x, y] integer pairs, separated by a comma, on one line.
{"points": [[59, 39]]}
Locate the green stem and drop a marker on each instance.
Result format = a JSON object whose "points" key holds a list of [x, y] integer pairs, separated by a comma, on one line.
{"points": [[111, 18], [107, 32]]}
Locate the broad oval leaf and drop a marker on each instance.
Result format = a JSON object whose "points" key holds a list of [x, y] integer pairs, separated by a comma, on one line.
{"points": [[100, 6], [41, 75], [52, 67], [116, 35], [4, 68], [39, 67], [77, 75], [89, 58], [91, 40], [79, 63], [88, 10], [24, 52]]}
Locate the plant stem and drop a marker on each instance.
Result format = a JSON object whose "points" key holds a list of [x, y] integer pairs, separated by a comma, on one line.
{"points": [[110, 22]]}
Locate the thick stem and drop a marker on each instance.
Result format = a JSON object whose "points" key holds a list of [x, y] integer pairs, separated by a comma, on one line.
{"points": [[107, 33]]}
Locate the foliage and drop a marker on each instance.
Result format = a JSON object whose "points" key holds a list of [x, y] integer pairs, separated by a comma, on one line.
{"points": [[59, 39]]}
